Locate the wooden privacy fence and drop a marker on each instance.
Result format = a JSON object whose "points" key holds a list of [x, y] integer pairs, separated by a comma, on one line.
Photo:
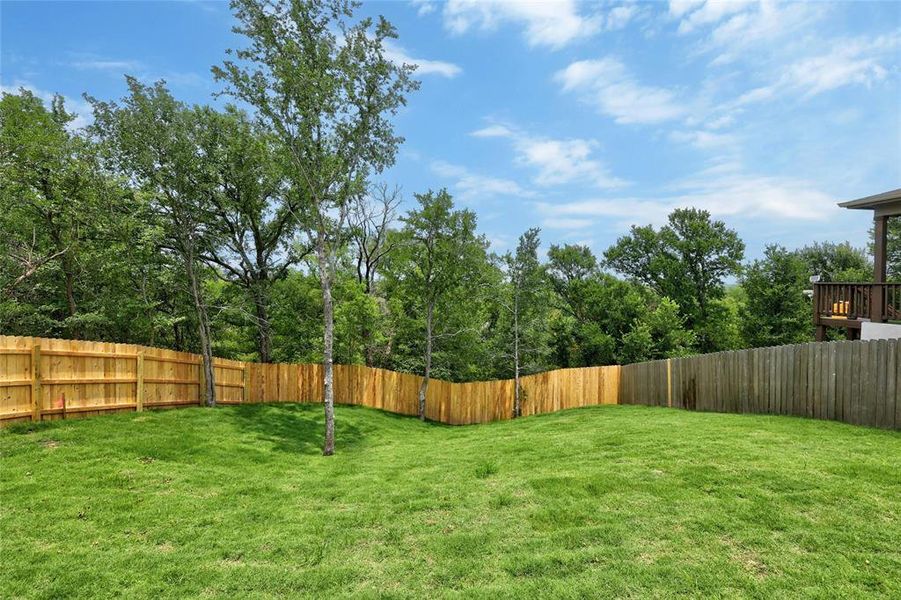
{"points": [[43, 378], [854, 382]]}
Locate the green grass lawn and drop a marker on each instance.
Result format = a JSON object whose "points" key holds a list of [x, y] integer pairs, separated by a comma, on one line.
{"points": [[600, 502]]}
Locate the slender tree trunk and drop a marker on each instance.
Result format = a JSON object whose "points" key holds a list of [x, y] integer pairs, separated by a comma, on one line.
{"points": [[424, 387], [517, 393], [264, 328], [203, 327], [328, 316], [69, 276]]}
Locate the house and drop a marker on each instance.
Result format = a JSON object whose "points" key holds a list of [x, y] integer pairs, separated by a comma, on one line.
{"points": [[864, 310]]}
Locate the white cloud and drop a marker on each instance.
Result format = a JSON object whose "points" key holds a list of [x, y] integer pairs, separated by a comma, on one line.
{"points": [[468, 186], [424, 66], [120, 67], [703, 140], [723, 191], [743, 30], [620, 16], [424, 7], [117, 66], [850, 62], [570, 224], [557, 161], [553, 23], [608, 85], [493, 131], [709, 12], [677, 8]]}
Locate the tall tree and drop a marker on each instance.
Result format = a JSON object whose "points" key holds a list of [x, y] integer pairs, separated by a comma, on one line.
{"points": [[686, 260], [50, 189], [837, 262], [775, 310], [156, 141], [253, 214], [323, 85], [527, 284], [442, 265], [371, 222], [605, 320]]}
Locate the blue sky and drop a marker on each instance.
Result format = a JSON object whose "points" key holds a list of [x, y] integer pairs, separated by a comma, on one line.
{"points": [[579, 118]]}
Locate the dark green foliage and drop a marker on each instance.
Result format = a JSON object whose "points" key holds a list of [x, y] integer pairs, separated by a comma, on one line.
{"points": [[687, 260], [776, 311], [439, 280], [604, 320], [837, 262]]}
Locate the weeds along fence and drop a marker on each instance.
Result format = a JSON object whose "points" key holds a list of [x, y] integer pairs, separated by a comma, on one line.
{"points": [[43, 379], [855, 382], [851, 381]]}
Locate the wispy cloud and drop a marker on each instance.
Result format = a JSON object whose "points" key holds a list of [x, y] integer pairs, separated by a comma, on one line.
{"points": [[424, 7], [424, 66], [736, 30], [557, 161], [724, 192], [862, 61], [607, 84], [552, 24], [468, 186], [705, 13], [117, 66]]}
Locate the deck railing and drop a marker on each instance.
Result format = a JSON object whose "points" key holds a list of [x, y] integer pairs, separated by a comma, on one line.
{"points": [[878, 302]]}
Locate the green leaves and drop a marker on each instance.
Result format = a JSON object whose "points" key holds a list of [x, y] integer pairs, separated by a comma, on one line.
{"points": [[776, 311], [686, 260]]}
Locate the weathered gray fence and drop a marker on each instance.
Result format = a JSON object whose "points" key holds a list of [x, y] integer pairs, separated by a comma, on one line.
{"points": [[854, 382]]}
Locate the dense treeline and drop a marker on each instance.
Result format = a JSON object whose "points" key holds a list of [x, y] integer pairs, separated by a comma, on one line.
{"points": [[91, 249], [268, 235]]}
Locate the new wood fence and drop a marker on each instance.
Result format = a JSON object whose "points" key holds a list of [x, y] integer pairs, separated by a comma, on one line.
{"points": [[856, 382], [43, 378]]}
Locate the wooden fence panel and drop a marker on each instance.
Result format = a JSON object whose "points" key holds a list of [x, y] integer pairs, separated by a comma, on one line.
{"points": [[855, 382]]}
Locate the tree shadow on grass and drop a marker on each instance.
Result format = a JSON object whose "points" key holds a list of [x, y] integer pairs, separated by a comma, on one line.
{"points": [[26, 427], [295, 428]]}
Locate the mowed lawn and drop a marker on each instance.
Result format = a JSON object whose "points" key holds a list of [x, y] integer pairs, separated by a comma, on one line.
{"points": [[600, 502]]}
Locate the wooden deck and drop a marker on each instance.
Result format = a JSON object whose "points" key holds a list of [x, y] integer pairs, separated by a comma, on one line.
{"points": [[848, 305]]}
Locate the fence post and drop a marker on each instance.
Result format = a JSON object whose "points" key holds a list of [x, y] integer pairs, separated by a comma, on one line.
{"points": [[139, 391], [36, 382], [245, 382], [669, 383]]}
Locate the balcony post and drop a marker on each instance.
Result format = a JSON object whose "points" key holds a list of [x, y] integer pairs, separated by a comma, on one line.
{"points": [[880, 255], [880, 250]]}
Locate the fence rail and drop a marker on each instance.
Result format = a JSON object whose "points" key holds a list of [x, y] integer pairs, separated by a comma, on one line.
{"points": [[855, 382]]}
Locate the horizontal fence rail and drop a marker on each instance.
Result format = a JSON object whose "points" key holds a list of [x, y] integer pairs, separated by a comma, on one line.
{"points": [[855, 382]]}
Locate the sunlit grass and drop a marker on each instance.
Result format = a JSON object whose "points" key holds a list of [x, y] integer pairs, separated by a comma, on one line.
{"points": [[601, 502]]}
